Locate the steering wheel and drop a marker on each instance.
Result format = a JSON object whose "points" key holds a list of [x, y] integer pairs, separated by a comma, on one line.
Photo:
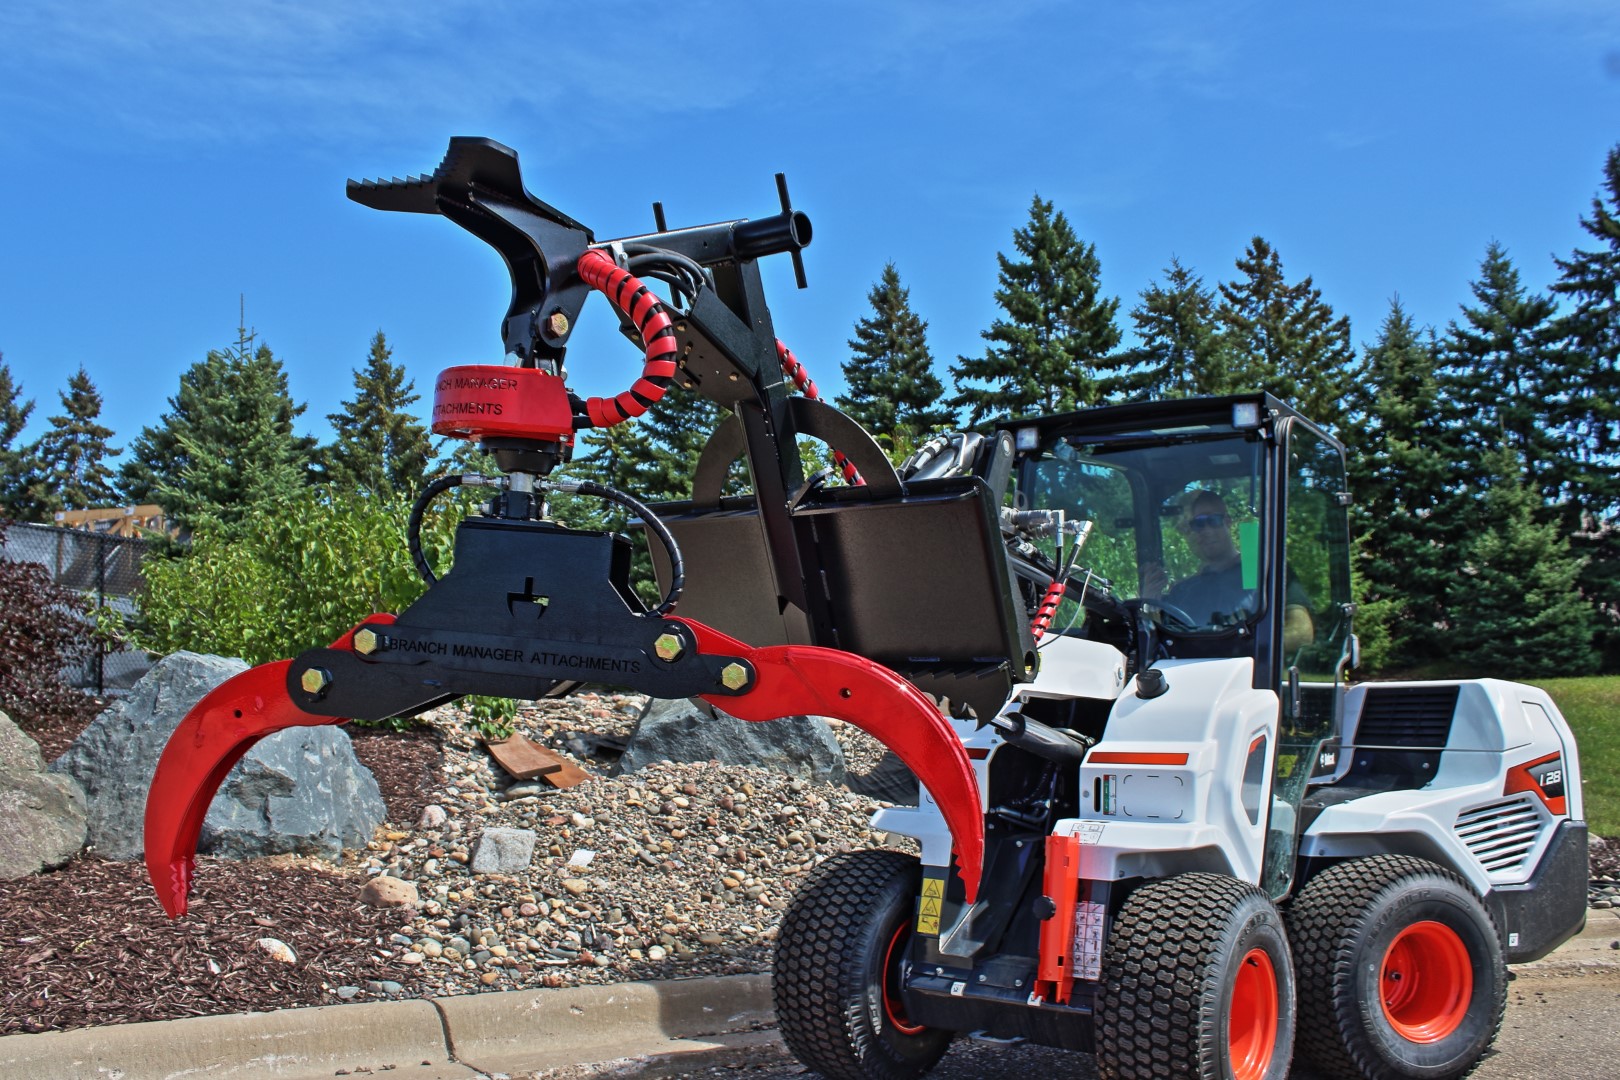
{"points": [[1181, 616]]}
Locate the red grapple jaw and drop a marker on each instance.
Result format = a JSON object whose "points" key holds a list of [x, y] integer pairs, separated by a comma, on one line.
{"points": [[209, 742], [792, 680]]}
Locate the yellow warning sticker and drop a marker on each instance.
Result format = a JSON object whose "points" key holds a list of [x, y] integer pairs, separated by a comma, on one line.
{"points": [[928, 924], [934, 886], [930, 906]]}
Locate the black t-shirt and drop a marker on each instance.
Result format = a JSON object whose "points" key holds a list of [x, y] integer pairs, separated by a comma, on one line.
{"points": [[1216, 597]]}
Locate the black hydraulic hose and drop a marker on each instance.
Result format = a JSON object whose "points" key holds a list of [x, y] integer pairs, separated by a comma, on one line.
{"points": [[677, 564], [413, 526]]}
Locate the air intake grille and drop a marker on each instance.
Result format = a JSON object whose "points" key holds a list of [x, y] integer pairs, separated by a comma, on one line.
{"points": [[1407, 716], [1501, 834]]}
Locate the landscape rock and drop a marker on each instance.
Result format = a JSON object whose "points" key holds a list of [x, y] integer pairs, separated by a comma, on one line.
{"points": [[390, 892], [277, 949], [42, 815], [693, 730], [504, 851], [301, 791]]}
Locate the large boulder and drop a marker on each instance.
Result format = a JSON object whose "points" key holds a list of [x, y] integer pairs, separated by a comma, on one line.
{"points": [[42, 817], [694, 730], [300, 791]]}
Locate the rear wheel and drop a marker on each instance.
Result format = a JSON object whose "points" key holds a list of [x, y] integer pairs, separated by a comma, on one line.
{"points": [[837, 974], [1197, 982], [1401, 971]]}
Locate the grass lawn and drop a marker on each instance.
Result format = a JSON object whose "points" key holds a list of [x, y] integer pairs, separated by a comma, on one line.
{"points": [[1592, 707]]}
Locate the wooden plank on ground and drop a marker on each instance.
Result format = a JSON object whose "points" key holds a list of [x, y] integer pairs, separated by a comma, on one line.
{"points": [[525, 759]]}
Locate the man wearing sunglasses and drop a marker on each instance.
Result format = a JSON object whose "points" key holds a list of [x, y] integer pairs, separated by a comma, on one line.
{"points": [[1215, 594]]}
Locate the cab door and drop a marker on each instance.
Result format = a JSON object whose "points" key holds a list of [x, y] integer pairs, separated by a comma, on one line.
{"points": [[1314, 611]]}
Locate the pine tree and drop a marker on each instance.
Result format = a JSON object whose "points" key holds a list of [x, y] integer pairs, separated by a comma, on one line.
{"points": [[1055, 349], [1285, 339], [1590, 416], [72, 472], [1181, 351], [380, 448], [17, 462], [227, 443], [1516, 608], [1504, 367], [890, 375], [1403, 480]]}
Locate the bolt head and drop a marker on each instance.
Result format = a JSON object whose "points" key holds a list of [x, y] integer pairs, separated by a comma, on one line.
{"points": [[668, 646], [365, 641], [557, 324], [315, 680], [734, 676]]}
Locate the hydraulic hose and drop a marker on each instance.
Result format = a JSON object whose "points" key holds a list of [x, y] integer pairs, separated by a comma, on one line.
{"points": [[413, 525], [807, 386], [677, 564], [647, 313]]}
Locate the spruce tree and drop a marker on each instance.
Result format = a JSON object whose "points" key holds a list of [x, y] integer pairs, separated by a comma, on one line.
{"points": [[1503, 365], [380, 448], [1054, 350], [1590, 414], [890, 376], [1181, 352], [17, 462], [227, 442], [1285, 339], [1516, 607], [1402, 478], [72, 472]]}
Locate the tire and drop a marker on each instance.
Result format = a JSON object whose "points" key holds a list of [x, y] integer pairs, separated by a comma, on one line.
{"points": [[1400, 970], [1197, 981], [836, 974]]}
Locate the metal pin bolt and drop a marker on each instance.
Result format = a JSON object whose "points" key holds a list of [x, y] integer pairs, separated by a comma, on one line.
{"points": [[557, 324], [734, 676], [365, 641], [315, 680], [668, 646]]}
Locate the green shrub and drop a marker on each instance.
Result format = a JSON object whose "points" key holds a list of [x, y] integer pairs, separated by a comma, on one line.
{"points": [[294, 574]]}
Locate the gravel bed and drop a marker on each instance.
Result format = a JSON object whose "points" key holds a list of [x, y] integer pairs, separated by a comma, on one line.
{"points": [[680, 869]]}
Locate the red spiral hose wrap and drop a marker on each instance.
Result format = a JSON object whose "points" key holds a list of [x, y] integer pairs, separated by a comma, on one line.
{"points": [[1049, 605], [651, 320], [807, 386]]}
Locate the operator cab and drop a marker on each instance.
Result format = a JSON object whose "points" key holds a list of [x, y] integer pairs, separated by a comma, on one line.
{"points": [[1219, 528]]}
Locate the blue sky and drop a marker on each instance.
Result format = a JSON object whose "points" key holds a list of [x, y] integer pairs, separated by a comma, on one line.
{"points": [[164, 158]]}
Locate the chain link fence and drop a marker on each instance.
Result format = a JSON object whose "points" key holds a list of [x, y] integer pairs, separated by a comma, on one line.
{"points": [[107, 571]]}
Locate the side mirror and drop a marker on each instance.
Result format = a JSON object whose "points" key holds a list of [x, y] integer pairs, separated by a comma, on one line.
{"points": [[1352, 653]]}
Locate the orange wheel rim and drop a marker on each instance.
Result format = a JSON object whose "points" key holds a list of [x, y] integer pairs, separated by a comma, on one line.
{"points": [[1252, 1030], [1426, 982], [894, 1008]]}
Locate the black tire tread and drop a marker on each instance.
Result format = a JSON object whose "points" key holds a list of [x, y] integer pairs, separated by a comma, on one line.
{"points": [[1159, 953], [812, 970], [1324, 963]]}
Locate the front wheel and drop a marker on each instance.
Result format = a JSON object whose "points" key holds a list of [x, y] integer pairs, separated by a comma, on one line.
{"points": [[1401, 971], [837, 974], [1197, 982]]}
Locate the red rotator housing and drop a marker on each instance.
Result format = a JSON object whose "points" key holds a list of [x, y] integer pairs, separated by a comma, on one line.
{"points": [[477, 401]]}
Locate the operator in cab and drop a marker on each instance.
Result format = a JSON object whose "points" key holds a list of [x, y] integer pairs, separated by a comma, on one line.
{"points": [[1215, 594]]}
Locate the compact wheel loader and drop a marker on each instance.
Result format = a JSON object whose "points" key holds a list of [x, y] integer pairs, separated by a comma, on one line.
{"points": [[1158, 823]]}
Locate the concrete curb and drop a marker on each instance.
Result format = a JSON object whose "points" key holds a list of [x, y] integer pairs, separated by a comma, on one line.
{"points": [[456, 1038], [462, 1038]]}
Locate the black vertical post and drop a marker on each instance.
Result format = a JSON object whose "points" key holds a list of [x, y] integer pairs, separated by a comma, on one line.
{"points": [[101, 604]]}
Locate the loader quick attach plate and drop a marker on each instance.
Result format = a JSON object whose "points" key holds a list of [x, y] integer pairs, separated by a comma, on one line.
{"points": [[525, 607]]}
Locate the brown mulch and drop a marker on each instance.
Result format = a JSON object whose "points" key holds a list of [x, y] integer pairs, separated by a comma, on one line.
{"points": [[89, 944], [406, 765]]}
